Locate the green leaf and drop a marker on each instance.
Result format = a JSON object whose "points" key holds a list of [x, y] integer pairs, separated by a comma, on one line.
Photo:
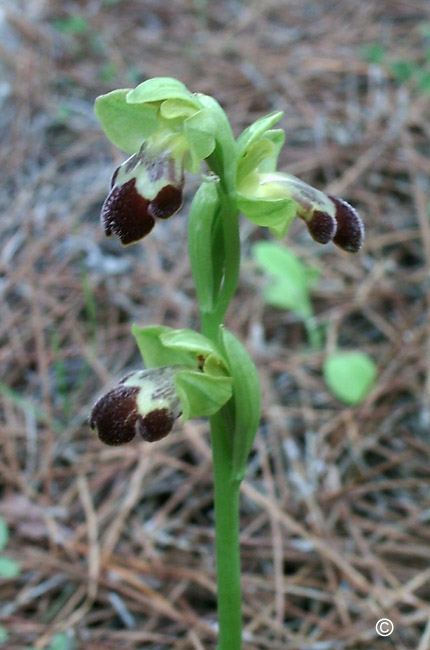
{"points": [[292, 280], [403, 70], [60, 642], [4, 533], [8, 567], [247, 400], [160, 88], [350, 376], [254, 131], [201, 394], [126, 125], [276, 214], [373, 52], [4, 636], [205, 268], [72, 25]]}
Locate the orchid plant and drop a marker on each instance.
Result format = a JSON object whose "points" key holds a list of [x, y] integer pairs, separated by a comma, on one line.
{"points": [[166, 130]]}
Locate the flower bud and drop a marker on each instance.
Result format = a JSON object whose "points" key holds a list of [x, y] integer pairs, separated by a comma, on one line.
{"points": [[146, 186], [143, 402]]}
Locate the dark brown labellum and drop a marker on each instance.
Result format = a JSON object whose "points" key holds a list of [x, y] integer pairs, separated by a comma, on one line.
{"points": [[114, 416], [125, 213], [350, 229], [322, 226], [166, 203], [156, 425]]}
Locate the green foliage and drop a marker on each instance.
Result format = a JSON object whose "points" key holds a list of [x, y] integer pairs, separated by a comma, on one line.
{"points": [[4, 533], [75, 25], [60, 641], [350, 376], [290, 283], [412, 71], [4, 636], [9, 568]]}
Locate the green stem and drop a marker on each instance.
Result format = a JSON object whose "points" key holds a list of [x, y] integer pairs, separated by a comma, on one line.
{"points": [[226, 490], [226, 494]]}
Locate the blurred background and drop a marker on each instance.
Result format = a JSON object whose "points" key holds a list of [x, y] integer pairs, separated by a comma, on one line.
{"points": [[113, 548]]}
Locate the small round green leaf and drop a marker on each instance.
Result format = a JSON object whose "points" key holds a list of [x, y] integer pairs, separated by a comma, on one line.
{"points": [[4, 636], [350, 376], [60, 641], [4, 533], [8, 567]]}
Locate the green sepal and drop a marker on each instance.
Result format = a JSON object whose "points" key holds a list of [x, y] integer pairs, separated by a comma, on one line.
{"points": [[201, 394], [252, 157], [199, 130], [159, 89], [246, 401], [274, 213], [155, 353], [126, 125], [206, 258], [160, 345], [190, 341], [255, 131], [223, 158]]}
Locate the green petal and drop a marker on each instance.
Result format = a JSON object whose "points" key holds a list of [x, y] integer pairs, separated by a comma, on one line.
{"points": [[155, 353], [190, 341], [171, 109], [126, 125], [201, 394], [276, 214], [158, 89], [256, 130], [277, 138], [252, 157], [199, 130]]}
